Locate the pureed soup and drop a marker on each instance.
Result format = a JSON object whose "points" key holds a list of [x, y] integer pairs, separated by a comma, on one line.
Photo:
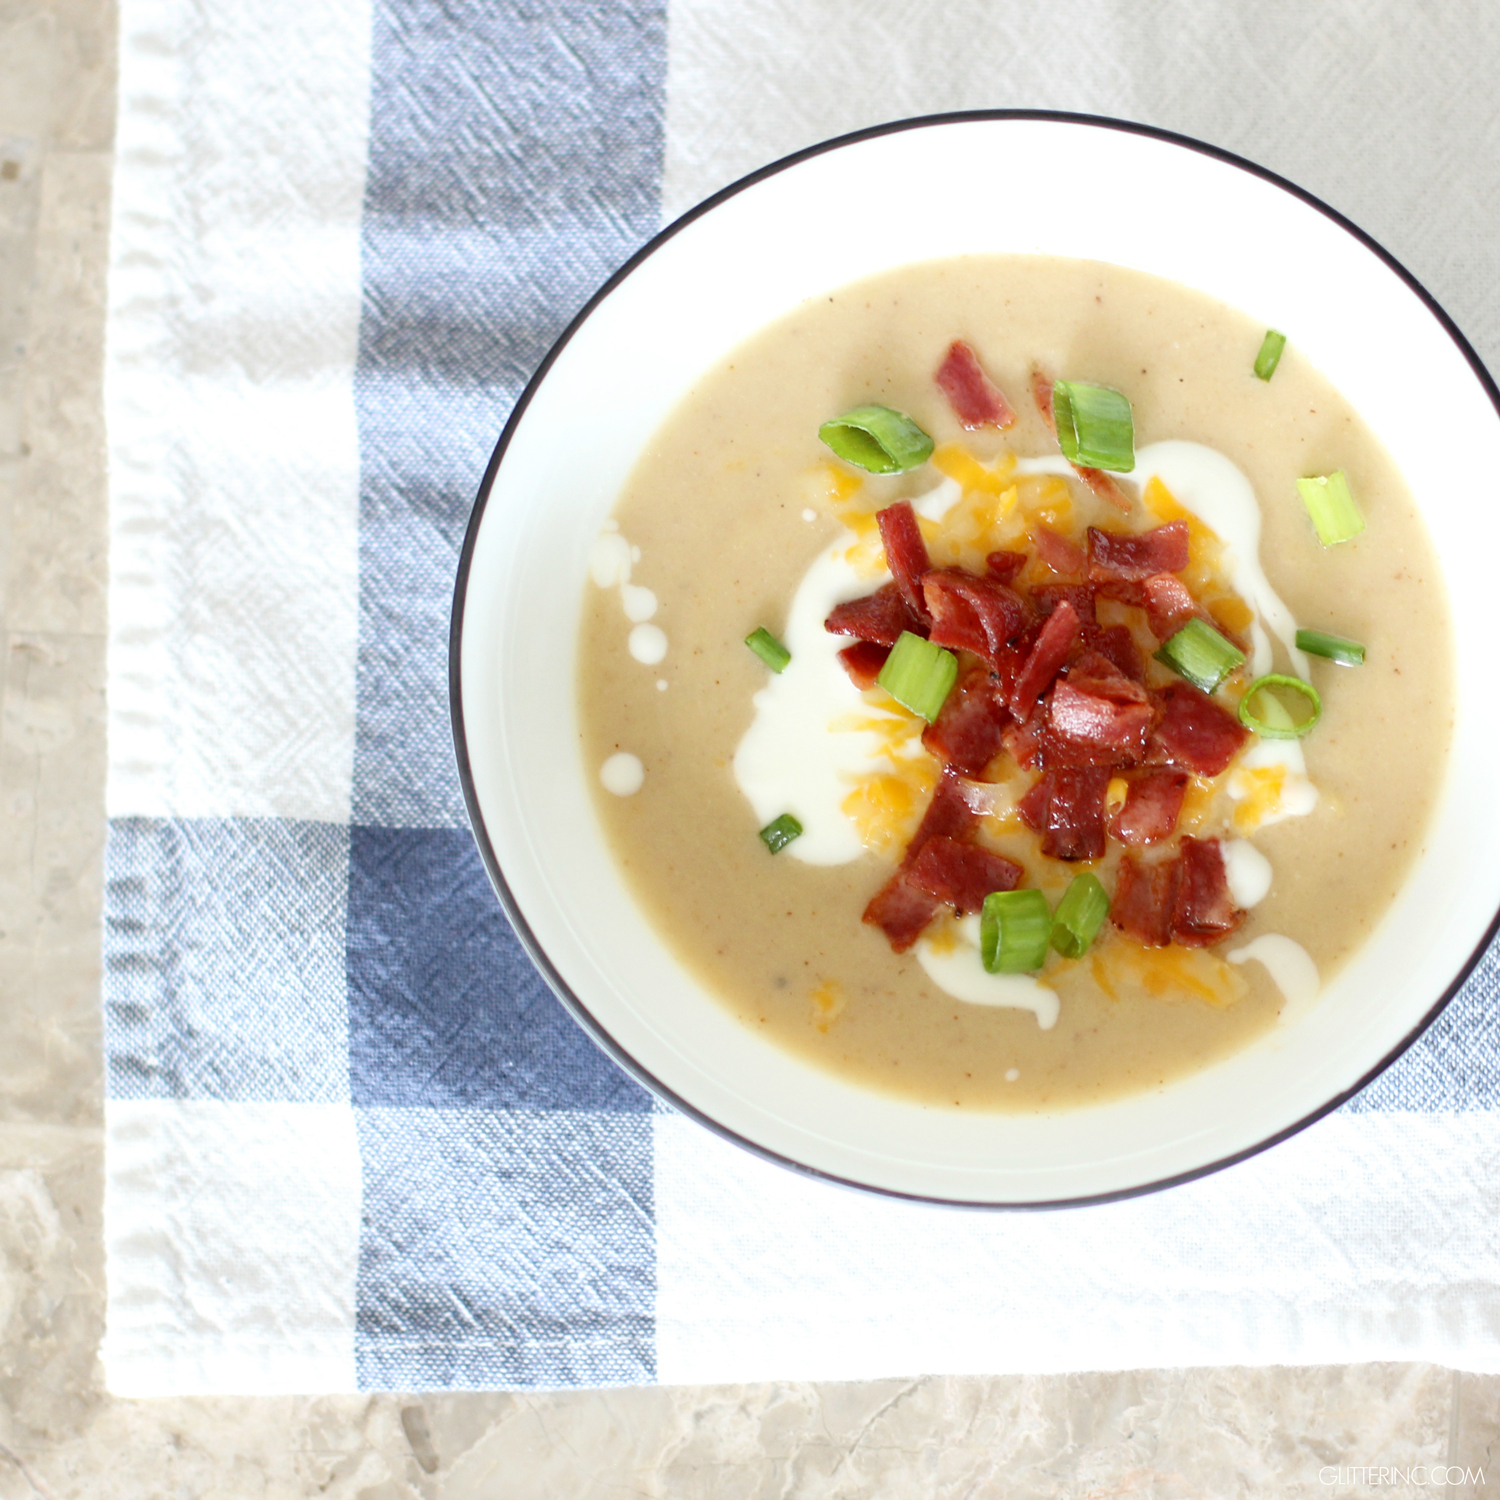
{"points": [[1023, 793]]}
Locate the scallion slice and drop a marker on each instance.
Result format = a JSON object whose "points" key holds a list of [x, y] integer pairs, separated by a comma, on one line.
{"points": [[1335, 647], [769, 649], [1334, 514], [878, 439], [1270, 353], [919, 675], [778, 834], [1274, 721], [1014, 928], [1094, 427], [1080, 915], [1200, 654]]}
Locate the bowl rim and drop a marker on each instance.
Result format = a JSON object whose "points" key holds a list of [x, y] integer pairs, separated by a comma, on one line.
{"points": [[534, 950]]}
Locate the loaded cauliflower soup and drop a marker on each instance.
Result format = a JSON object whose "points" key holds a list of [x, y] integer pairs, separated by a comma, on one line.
{"points": [[1013, 682]]}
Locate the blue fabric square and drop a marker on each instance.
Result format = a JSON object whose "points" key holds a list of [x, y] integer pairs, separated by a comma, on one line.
{"points": [[515, 162], [1455, 1063], [505, 1249], [445, 1008], [224, 959]]}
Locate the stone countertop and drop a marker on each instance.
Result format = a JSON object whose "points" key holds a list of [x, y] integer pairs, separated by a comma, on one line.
{"points": [[1229, 1432]]}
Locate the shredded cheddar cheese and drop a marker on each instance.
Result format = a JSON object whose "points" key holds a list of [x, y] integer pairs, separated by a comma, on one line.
{"points": [[1124, 968], [828, 1004]]}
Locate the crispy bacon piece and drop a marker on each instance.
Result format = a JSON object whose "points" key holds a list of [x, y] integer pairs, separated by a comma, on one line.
{"points": [[1067, 809], [1096, 479], [1097, 704], [968, 731], [879, 617], [901, 911], [976, 400], [1003, 566], [1152, 806], [1203, 911], [1166, 600], [1169, 606], [1113, 554], [1048, 596], [905, 553], [1193, 732], [1027, 741], [1118, 645], [1055, 642], [863, 661], [1143, 899], [1062, 556], [971, 613], [898, 908], [961, 875]]}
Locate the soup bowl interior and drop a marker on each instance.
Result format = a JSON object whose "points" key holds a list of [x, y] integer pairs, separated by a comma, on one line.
{"points": [[988, 185]]}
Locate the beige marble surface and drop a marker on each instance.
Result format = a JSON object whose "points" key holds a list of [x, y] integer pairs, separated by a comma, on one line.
{"points": [[1148, 1433]]}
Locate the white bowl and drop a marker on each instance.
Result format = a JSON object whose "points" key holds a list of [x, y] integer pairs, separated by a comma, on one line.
{"points": [[991, 183]]}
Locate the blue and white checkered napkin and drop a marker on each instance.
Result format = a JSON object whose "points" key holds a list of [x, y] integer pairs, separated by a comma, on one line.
{"points": [[352, 1139]]}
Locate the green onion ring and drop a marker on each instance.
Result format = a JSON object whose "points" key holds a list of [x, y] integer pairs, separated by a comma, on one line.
{"points": [[1273, 731]]}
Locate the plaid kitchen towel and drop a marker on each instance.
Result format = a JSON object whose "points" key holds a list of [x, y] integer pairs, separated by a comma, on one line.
{"points": [[353, 1141]]}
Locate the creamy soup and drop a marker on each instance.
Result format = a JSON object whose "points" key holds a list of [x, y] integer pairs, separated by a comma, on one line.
{"points": [[738, 517]]}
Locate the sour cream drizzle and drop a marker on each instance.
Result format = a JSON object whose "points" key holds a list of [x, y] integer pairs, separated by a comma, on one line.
{"points": [[791, 759], [961, 973], [1287, 962]]}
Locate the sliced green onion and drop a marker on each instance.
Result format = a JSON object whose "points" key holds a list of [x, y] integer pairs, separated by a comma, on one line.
{"points": [[1272, 719], [1335, 516], [1014, 927], [1080, 915], [1335, 647], [776, 836], [1094, 427], [919, 675], [1270, 353], [878, 439], [1199, 653], [769, 649]]}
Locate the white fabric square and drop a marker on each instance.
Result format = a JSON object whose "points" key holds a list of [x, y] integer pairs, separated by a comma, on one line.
{"points": [[232, 1237]]}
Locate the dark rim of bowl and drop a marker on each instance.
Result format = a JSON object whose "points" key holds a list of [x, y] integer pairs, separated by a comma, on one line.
{"points": [[574, 1005]]}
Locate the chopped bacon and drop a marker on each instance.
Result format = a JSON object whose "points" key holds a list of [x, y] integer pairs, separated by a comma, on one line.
{"points": [[1193, 732], [1096, 479], [905, 552], [1048, 596], [1169, 606], [1041, 393], [961, 875], [1004, 566], [1166, 600], [1026, 742], [1067, 809], [1061, 555], [901, 911], [1053, 645], [1116, 555], [968, 730], [863, 661], [1203, 911], [971, 613], [898, 908], [974, 397], [1097, 704], [1142, 904], [1118, 645], [1152, 806], [879, 617]]}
